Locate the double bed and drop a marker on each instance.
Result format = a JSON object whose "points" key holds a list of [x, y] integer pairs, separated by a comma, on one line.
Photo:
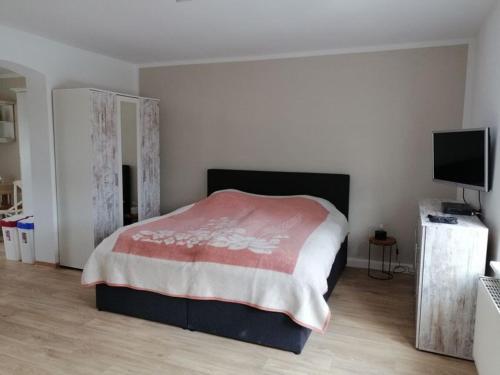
{"points": [[224, 317]]}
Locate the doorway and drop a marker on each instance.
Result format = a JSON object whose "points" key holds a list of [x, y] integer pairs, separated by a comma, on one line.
{"points": [[35, 144], [10, 156]]}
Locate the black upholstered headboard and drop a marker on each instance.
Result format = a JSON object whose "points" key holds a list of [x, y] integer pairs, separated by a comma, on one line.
{"points": [[332, 187]]}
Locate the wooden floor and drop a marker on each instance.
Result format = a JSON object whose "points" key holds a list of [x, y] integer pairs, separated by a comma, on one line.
{"points": [[49, 325]]}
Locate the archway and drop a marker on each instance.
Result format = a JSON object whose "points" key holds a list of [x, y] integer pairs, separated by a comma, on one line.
{"points": [[40, 184]]}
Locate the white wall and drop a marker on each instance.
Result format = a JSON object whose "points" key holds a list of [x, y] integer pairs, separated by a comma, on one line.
{"points": [[65, 66], [485, 104], [369, 115], [47, 65]]}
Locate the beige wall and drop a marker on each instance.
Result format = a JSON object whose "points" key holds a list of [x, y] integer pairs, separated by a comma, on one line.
{"points": [[369, 115], [9, 152]]}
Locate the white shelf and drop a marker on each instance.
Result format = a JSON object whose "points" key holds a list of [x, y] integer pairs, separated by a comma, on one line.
{"points": [[7, 132]]}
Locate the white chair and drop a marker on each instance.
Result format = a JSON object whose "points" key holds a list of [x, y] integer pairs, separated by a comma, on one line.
{"points": [[12, 192]]}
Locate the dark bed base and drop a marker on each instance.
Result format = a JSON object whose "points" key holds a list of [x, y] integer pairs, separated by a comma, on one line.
{"points": [[226, 319], [233, 320]]}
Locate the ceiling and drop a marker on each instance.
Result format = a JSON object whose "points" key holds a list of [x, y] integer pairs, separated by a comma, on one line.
{"points": [[153, 31]]}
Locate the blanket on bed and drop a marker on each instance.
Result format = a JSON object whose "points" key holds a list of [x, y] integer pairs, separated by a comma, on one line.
{"points": [[271, 253]]}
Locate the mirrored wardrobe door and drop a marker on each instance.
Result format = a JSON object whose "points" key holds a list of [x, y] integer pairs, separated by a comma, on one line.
{"points": [[128, 118]]}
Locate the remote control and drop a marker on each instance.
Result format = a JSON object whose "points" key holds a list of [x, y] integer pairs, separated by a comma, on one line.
{"points": [[442, 219]]}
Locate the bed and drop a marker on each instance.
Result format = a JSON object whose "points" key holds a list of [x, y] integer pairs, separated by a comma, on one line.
{"points": [[235, 320]]}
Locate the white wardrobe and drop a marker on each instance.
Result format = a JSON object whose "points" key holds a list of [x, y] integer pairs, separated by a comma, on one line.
{"points": [[97, 132]]}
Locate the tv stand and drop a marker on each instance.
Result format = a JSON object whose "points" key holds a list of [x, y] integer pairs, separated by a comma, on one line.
{"points": [[449, 261], [455, 208]]}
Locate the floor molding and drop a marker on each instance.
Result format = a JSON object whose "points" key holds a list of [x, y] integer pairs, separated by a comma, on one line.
{"points": [[375, 264], [47, 264]]}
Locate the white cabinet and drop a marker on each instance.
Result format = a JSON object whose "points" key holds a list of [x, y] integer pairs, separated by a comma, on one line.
{"points": [[88, 147], [449, 261]]}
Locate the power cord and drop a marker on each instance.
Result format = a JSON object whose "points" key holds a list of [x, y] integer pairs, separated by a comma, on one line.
{"points": [[479, 199], [399, 268], [479, 210]]}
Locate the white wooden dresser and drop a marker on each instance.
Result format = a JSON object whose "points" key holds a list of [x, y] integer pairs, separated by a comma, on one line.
{"points": [[449, 260]]}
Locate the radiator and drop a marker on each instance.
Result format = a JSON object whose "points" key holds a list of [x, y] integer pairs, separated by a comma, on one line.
{"points": [[486, 350]]}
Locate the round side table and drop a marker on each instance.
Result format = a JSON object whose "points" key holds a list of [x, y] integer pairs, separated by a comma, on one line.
{"points": [[389, 242]]}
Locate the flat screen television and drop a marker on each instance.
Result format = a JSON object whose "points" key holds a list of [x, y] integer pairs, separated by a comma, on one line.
{"points": [[461, 157]]}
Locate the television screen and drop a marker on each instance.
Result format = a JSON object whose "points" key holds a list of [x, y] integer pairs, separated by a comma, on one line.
{"points": [[461, 157]]}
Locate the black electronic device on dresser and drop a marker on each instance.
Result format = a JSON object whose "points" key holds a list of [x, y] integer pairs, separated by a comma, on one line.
{"points": [[455, 208]]}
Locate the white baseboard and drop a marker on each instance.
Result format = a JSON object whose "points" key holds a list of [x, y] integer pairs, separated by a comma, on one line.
{"points": [[375, 264]]}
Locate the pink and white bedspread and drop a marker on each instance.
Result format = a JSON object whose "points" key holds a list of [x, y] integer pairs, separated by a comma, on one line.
{"points": [[271, 253]]}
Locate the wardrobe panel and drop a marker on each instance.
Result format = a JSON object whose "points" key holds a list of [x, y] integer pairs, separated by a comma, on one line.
{"points": [[73, 154], [106, 165], [149, 161]]}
